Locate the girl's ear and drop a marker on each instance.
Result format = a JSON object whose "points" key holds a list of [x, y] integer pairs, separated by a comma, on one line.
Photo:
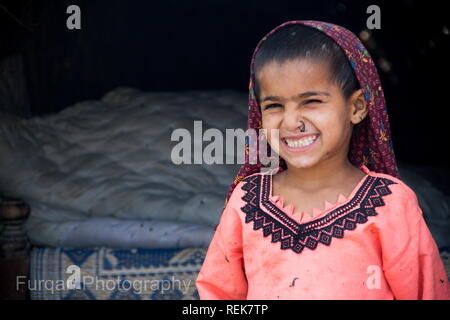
{"points": [[358, 107]]}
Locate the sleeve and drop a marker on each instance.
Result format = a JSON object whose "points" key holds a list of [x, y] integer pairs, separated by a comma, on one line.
{"points": [[411, 262], [222, 275]]}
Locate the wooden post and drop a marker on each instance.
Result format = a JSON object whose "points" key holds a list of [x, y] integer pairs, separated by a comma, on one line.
{"points": [[14, 250]]}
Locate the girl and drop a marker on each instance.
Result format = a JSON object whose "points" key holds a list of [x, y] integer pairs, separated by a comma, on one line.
{"points": [[334, 221]]}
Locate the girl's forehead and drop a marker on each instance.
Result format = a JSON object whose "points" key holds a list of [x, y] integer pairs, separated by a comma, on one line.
{"points": [[292, 74], [296, 66]]}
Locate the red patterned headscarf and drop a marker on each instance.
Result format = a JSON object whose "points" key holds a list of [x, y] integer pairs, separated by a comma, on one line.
{"points": [[371, 143]]}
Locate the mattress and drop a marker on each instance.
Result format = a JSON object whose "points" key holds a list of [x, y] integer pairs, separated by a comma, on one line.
{"points": [[114, 274], [112, 158], [127, 234]]}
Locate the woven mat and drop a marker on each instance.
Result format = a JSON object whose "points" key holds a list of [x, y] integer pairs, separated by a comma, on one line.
{"points": [[109, 274]]}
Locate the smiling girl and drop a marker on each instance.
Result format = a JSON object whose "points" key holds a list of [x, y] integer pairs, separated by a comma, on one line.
{"points": [[334, 221]]}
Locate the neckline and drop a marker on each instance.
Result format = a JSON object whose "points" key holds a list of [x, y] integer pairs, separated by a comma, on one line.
{"points": [[305, 218], [295, 236]]}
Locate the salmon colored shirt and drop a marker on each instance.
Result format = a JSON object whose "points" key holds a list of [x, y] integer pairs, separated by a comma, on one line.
{"points": [[374, 244]]}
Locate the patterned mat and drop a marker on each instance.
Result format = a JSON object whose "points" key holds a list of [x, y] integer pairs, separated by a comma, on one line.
{"points": [[110, 274]]}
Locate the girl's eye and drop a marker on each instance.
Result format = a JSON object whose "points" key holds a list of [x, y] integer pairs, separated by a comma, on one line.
{"points": [[313, 101], [271, 106]]}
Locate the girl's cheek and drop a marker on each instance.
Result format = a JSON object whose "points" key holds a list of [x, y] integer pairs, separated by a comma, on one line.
{"points": [[271, 121], [316, 121], [327, 121]]}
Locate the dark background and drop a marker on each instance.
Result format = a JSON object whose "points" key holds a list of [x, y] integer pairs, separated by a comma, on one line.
{"points": [[206, 44]]}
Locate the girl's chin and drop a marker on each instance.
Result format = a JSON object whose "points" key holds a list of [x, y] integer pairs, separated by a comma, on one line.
{"points": [[300, 163]]}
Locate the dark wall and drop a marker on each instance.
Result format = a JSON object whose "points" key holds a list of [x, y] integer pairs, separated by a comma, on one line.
{"points": [[181, 45]]}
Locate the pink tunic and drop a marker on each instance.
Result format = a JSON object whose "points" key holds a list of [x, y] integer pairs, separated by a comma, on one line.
{"points": [[374, 244]]}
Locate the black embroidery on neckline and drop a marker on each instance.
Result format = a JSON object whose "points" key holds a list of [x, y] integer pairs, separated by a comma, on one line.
{"points": [[296, 236]]}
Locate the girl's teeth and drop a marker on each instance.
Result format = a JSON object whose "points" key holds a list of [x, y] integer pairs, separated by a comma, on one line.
{"points": [[301, 143]]}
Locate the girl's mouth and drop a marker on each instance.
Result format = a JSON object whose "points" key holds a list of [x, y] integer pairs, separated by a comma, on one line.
{"points": [[299, 143]]}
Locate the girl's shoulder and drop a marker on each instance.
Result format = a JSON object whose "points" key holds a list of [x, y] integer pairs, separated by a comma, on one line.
{"points": [[244, 184], [398, 185], [252, 177], [401, 199]]}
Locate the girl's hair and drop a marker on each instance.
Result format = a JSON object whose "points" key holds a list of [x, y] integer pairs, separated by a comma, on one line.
{"points": [[301, 42]]}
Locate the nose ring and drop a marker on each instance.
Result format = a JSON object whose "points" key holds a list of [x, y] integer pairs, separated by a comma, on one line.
{"points": [[302, 126]]}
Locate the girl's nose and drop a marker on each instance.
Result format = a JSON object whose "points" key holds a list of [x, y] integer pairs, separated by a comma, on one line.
{"points": [[292, 121]]}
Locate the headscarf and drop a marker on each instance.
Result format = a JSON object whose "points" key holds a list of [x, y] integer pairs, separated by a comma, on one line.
{"points": [[371, 143]]}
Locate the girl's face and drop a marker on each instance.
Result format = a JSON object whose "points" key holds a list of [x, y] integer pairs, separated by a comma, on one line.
{"points": [[313, 119]]}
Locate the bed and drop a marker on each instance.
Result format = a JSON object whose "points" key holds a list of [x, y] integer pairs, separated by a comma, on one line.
{"points": [[98, 194]]}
